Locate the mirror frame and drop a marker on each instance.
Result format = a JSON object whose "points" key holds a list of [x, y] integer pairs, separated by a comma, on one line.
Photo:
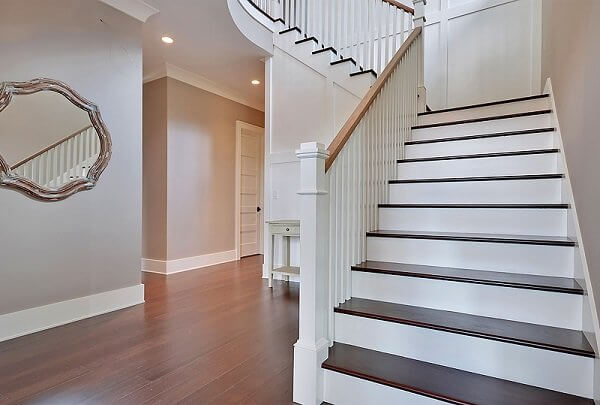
{"points": [[11, 180]]}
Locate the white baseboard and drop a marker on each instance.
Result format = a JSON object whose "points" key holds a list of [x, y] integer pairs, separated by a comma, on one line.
{"points": [[187, 263], [33, 320]]}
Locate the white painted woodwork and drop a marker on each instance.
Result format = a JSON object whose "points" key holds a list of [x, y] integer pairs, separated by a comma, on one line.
{"points": [[497, 109], [541, 140], [311, 349], [544, 163], [591, 324], [516, 304], [528, 365], [347, 390], [250, 180], [508, 257], [339, 206], [357, 178], [471, 47], [512, 221], [544, 191], [484, 127], [69, 160]]}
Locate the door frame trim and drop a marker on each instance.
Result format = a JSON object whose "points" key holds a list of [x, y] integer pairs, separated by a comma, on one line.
{"points": [[239, 125]]}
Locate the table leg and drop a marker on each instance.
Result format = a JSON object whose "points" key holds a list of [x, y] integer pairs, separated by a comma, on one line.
{"points": [[271, 259]]}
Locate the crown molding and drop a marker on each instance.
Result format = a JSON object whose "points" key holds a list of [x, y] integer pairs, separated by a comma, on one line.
{"points": [[201, 82], [137, 9]]}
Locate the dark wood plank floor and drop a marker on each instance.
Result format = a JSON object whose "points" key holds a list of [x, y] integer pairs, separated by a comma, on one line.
{"points": [[212, 336]]}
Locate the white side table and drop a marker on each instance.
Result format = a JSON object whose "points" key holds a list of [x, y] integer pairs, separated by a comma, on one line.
{"points": [[287, 229]]}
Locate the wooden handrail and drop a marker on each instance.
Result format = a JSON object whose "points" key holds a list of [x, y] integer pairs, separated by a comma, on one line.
{"points": [[46, 149], [400, 6], [361, 109]]}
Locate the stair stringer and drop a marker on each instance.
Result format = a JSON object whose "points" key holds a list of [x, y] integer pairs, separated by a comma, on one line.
{"points": [[591, 325]]}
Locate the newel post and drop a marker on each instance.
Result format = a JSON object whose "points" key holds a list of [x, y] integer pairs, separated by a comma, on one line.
{"points": [[419, 21], [312, 346]]}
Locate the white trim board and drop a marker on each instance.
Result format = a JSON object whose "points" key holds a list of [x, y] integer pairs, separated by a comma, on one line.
{"points": [[591, 324], [33, 320], [137, 9], [187, 263], [201, 82]]}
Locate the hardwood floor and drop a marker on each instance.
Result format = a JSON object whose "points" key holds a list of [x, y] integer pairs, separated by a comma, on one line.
{"points": [[212, 336]]}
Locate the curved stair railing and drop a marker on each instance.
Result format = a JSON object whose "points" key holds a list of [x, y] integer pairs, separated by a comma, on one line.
{"points": [[340, 190], [63, 161], [367, 31]]}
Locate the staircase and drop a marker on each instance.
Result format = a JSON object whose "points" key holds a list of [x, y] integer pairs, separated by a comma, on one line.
{"points": [[438, 258], [468, 294]]}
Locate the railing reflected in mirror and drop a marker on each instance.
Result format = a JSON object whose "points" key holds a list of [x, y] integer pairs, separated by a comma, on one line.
{"points": [[53, 142]]}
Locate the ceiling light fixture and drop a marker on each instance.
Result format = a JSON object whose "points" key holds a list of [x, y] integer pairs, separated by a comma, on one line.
{"points": [[167, 40], [255, 82]]}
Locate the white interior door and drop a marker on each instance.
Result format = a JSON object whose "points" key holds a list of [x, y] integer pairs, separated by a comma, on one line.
{"points": [[250, 180]]}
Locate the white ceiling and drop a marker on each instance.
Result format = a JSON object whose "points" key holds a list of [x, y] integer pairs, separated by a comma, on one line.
{"points": [[207, 44]]}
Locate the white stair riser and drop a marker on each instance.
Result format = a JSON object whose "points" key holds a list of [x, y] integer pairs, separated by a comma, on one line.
{"points": [[305, 49], [322, 60], [483, 127], [492, 166], [543, 368], [359, 84], [514, 221], [546, 191], [489, 111], [341, 389], [508, 257], [288, 39], [344, 68], [543, 140], [543, 307]]}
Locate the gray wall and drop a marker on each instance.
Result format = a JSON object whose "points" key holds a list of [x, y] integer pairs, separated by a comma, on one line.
{"points": [[571, 57], [154, 244], [200, 167], [91, 242]]}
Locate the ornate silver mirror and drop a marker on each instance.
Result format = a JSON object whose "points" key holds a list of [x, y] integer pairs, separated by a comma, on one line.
{"points": [[53, 142]]}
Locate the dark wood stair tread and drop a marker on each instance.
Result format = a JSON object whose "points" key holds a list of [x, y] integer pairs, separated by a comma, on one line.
{"points": [[481, 155], [481, 136], [300, 41], [329, 48], [360, 72], [475, 237], [495, 278], [487, 104], [439, 382], [483, 119], [521, 333], [481, 178], [343, 60]]}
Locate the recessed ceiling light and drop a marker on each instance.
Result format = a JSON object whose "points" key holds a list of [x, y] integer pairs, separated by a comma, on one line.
{"points": [[255, 82], [167, 40]]}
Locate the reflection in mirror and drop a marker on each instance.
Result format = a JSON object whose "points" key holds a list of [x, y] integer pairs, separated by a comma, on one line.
{"points": [[53, 142], [47, 139]]}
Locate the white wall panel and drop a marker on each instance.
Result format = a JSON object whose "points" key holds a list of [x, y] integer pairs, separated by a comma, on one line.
{"points": [[307, 105], [481, 50]]}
